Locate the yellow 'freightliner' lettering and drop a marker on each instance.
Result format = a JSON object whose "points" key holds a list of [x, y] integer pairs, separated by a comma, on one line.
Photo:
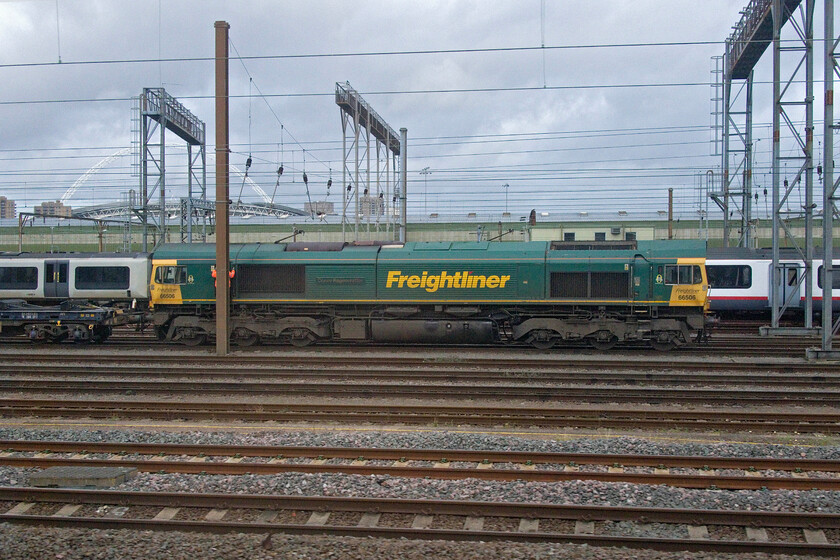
{"points": [[433, 282]]}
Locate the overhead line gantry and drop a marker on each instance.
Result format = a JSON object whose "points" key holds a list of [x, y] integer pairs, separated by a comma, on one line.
{"points": [[761, 26]]}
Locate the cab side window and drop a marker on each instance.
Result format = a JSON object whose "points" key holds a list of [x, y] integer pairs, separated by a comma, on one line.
{"points": [[171, 275], [683, 274]]}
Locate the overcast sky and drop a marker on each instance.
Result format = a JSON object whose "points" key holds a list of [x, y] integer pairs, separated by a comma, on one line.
{"points": [[597, 128]]}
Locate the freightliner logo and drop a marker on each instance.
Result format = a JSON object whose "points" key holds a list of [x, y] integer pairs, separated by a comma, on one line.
{"points": [[433, 282]]}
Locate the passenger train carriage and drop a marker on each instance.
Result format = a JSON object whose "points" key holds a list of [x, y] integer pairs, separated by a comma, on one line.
{"points": [[538, 293], [739, 280], [55, 277], [56, 296]]}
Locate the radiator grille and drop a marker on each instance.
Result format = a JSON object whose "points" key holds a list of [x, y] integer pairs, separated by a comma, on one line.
{"points": [[610, 285], [593, 285], [569, 284], [271, 279]]}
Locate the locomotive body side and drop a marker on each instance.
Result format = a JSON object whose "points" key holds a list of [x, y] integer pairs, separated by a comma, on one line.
{"points": [[536, 293], [621, 292]]}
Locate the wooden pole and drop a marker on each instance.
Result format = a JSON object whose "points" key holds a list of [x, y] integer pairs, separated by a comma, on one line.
{"points": [[222, 191]]}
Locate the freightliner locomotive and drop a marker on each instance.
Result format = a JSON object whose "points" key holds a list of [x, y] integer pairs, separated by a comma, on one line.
{"points": [[536, 293]]}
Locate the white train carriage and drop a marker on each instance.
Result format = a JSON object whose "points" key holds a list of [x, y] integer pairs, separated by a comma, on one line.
{"points": [[96, 277], [739, 280]]}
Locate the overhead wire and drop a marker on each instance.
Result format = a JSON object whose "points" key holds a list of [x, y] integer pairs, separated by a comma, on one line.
{"points": [[373, 53], [264, 98]]}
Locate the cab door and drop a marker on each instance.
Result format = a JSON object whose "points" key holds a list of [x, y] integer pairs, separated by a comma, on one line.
{"points": [[56, 283]]}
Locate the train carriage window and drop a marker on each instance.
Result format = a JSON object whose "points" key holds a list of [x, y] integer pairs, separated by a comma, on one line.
{"points": [[18, 278], [55, 272], [729, 276], [102, 278], [683, 274], [835, 278], [171, 275]]}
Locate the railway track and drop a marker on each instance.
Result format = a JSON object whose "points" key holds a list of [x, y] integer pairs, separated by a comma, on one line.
{"points": [[704, 530], [20, 374], [513, 360], [731, 340], [581, 392], [731, 473], [431, 415], [822, 393]]}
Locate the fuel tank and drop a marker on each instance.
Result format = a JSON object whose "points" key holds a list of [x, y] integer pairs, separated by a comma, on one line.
{"points": [[437, 331]]}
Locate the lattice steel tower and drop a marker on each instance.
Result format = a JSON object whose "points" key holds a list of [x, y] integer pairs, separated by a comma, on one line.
{"points": [[159, 112], [373, 188]]}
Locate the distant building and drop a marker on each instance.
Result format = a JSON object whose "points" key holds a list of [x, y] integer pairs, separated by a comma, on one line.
{"points": [[53, 209], [7, 208], [371, 206], [320, 207]]}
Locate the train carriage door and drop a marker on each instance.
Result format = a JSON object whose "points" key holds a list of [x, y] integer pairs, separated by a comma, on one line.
{"points": [[788, 291], [55, 279]]}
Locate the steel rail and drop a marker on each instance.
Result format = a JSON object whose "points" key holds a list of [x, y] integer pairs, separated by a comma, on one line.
{"points": [[429, 373], [399, 454], [681, 480], [810, 521], [401, 357], [730, 420], [587, 393]]}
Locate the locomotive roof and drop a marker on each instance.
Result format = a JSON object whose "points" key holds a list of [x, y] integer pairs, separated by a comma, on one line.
{"points": [[655, 248], [339, 250]]}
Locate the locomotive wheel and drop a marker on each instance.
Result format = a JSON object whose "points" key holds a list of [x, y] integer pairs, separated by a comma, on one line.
{"points": [[542, 340], [302, 339], [663, 345], [248, 340], [607, 342], [196, 340], [60, 337]]}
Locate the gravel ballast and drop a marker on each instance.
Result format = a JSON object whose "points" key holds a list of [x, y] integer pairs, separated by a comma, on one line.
{"points": [[431, 440], [20, 542]]}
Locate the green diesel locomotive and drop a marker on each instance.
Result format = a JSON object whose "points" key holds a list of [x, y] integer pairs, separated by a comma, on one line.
{"points": [[537, 293]]}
